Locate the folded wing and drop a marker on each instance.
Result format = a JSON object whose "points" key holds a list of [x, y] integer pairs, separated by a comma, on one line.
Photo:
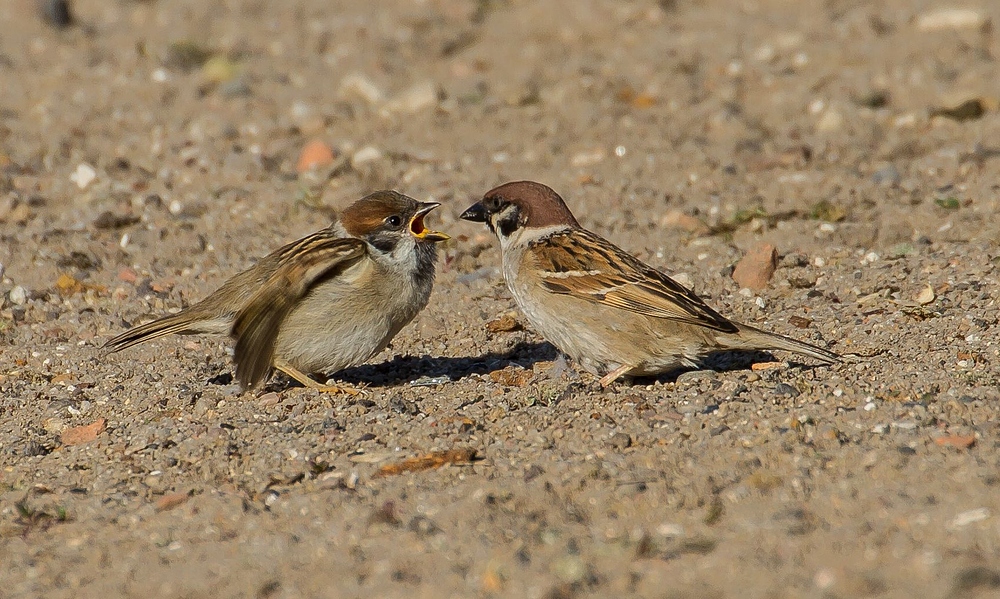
{"points": [[583, 265], [301, 265]]}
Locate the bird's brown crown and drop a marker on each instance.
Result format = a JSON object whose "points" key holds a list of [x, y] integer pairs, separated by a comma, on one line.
{"points": [[539, 205], [369, 213]]}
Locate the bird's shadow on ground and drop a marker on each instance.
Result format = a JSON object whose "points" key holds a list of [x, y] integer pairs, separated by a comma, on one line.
{"points": [[722, 361], [431, 370]]}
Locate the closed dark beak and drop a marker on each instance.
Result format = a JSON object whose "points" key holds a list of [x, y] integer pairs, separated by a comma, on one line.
{"points": [[475, 213]]}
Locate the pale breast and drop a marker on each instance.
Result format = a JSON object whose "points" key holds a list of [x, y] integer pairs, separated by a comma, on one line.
{"points": [[345, 321]]}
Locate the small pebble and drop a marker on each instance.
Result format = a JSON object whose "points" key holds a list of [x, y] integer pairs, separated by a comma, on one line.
{"points": [[587, 158], [926, 296], [57, 13], [786, 389], [888, 176], [969, 517], [684, 279], [670, 529], [675, 219], [356, 86], [693, 376], [315, 154], [569, 569], [950, 18], [415, 99], [620, 441], [18, 296], [365, 155], [757, 267], [831, 121], [269, 399], [83, 176], [430, 381]]}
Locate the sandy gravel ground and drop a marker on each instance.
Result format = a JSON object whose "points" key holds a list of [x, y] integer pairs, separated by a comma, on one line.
{"points": [[149, 150]]}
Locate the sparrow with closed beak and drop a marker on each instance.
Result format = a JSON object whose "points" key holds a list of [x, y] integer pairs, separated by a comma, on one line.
{"points": [[323, 303], [612, 313]]}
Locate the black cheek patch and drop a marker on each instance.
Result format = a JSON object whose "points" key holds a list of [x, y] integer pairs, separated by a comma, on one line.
{"points": [[508, 224], [383, 243]]}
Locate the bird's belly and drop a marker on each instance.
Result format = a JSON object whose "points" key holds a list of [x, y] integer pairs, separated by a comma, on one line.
{"points": [[563, 321], [603, 338], [329, 332]]}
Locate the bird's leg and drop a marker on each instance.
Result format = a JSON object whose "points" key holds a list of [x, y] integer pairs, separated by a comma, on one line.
{"points": [[614, 375], [306, 381]]}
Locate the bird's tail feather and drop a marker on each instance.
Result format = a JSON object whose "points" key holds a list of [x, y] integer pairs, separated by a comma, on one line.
{"points": [[151, 330], [751, 338]]}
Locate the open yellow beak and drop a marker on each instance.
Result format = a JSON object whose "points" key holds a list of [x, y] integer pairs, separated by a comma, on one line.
{"points": [[417, 228]]}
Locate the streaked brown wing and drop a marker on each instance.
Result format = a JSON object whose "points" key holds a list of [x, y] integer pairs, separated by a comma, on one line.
{"points": [[581, 264], [301, 264]]}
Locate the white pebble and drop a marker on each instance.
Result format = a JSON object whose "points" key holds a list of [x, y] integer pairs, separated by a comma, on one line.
{"points": [[18, 296], [359, 86], [587, 158], [159, 75], [870, 406], [950, 18], [765, 53], [83, 176], [831, 121], [419, 97], [905, 120], [969, 517], [684, 279], [760, 302], [670, 529], [365, 155], [300, 111], [824, 579]]}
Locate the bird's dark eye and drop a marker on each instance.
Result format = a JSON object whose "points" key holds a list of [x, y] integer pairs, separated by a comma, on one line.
{"points": [[493, 203], [394, 221]]}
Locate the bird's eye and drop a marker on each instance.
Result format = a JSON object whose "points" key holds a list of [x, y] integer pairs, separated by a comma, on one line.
{"points": [[393, 221]]}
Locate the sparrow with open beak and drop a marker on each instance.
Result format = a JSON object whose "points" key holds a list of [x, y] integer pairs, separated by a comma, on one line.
{"points": [[323, 303], [612, 313]]}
